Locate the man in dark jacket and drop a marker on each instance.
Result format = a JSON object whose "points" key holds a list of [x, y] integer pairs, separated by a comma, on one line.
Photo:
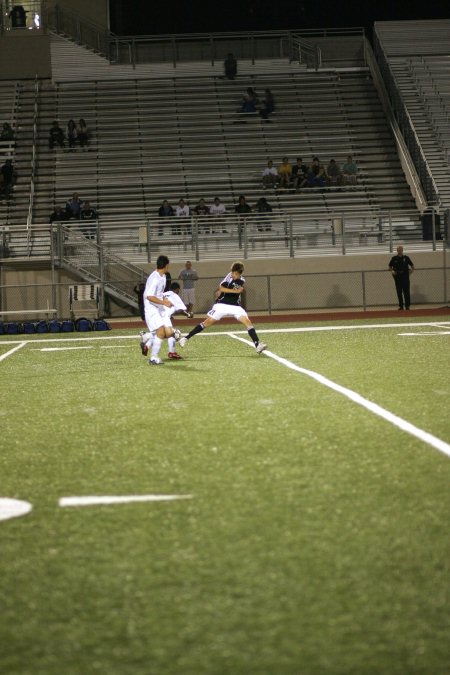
{"points": [[401, 267]]}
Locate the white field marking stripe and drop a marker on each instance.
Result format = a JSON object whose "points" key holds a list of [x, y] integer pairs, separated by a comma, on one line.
{"points": [[447, 332], [312, 329], [77, 339], [124, 499], [13, 508], [424, 436], [60, 349], [11, 351], [297, 329]]}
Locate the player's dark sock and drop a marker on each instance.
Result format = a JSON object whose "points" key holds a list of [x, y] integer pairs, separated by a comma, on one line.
{"points": [[252, 333], [198, 329]]}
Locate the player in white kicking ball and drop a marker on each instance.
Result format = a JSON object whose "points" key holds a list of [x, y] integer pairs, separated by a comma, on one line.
{"points": [[178, 307], [228, 303], [154, 305]]}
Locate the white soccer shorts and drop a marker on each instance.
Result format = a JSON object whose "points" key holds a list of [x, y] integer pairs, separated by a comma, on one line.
{"points": [[154, 319], [219, 311]]}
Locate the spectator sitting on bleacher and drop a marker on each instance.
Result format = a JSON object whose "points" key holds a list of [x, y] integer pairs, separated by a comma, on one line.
{"points": [[7, 132], [82, 132], [202, 210], [230, 67], [164, 211], [334, 174], [182, 211], [72, 135], [285, 173], [299, 174], [349, 171], [56, 136], [218, 210], [73, 206], [263, 207], [9, 177], [316, 174], [269, 175], [268, 105], [242, 207], [249, 101], [58, 215], [88, 213]]}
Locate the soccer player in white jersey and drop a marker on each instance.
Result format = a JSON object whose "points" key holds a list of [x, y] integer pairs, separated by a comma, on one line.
{"points": [[154, 305], [228, 303], [178, 307]]}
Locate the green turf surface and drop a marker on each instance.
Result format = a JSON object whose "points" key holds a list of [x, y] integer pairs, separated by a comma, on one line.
{"points": [[316, 539]]}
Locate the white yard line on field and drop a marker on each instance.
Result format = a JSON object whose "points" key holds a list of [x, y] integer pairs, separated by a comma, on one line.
{"points": [[60, 349], [441, 332], [11, 351], [296, 329], [117, 499], [402, 424]]}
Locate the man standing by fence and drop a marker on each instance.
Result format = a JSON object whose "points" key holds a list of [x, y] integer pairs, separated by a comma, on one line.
{"points": [[188, 276], [401, 267]]}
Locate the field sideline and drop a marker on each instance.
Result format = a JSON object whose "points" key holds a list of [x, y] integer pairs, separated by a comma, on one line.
{"points": [[275, 514]]}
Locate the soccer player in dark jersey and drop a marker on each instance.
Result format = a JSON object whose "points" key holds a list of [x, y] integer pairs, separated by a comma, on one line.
{"points": [[228, 303], [401, 267]]}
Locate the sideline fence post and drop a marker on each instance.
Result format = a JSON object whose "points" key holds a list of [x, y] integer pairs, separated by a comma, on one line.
{"points": [[245, 239], [444, 266], [149, 242], [363, 283], [291, 238], [55, 298], [391, 243], [343, 234]]}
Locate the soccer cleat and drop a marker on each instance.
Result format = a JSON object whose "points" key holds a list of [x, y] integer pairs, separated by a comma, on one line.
{"points": [[261, 347], [182, 342], [155, 362], [176, 334], [174, 356], [144, 348]]}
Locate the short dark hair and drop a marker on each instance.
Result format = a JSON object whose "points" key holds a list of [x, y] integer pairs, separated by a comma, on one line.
{"points": [[237, 267], [162, 262], [174, 286]]}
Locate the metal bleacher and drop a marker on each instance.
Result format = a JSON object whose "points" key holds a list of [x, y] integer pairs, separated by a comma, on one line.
{"points": [[175, 135], [172, 138], [418, 55]]}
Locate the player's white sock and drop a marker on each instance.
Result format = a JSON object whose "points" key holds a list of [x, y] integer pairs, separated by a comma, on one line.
{"points": [[145, 337], [157, 342], [172, 342]]}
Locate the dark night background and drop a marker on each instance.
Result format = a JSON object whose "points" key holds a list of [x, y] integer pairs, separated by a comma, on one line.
{"points": [[145, 17]]}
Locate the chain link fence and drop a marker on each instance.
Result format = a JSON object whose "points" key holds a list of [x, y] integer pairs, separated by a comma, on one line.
{"points": [[264, 293]]}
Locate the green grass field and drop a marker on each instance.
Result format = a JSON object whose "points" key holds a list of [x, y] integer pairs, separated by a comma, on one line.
{"points": [[314, 536]]}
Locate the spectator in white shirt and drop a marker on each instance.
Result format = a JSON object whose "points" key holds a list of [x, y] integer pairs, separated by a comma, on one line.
{"points": [[182, 211], [270, 175], [218, 210]]}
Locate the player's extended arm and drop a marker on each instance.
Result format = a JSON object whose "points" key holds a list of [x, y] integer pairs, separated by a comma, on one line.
{"points": [[225, 289], [159, 301]]}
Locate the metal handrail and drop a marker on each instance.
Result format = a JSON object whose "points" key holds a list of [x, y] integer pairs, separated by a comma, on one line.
{"points": [[130, 45], [416, 186], [407, 126], [33, 165], [83, 30]]}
